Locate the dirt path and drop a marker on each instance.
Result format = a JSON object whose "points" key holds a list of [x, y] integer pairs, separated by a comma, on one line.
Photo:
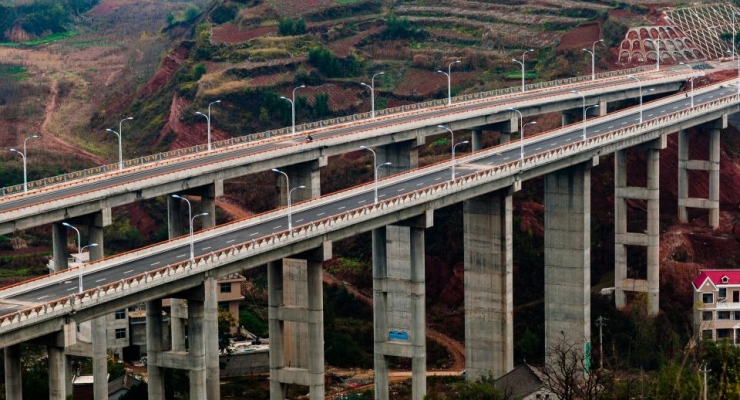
{"points": [[455, 348], [58, 144], [232, 209]]}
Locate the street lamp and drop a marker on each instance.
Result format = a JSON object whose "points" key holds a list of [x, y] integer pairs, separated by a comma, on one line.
{"points": [[87, 246], [656, 43], [372, 92], [191, 218], [376, 167], [692, 80], [522, 64], [584, 111], [208, 121], [593, 57], [738, 71], [290, 195], [521, 147], [521, 132], [79, 252], [292, 104], [23, 155], [449, 84], [453, 157], [639, 83]]}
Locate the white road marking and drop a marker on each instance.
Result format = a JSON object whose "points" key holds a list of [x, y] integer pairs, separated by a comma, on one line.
{"points": [[611, 126], [206, 248], [229, 241], [624, 123], [597, 131], [506, 158], [537, 148], [299, 220], [381, 195], [71, 289], [419, 184], [401, 189], [43, 297], [436, 179], [675, 107], [100, 280], [276, 227], [320, 214], [154, 263], [650, 115], [254, 234], [129, 271], [181, 255], [342, 208], [553, 144], [568, 139], [361, 201]]}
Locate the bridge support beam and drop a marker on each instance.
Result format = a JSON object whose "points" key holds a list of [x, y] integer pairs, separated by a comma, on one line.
{"points": [[398, 301], [177, 319], [489, 321], [59, 246], [197, 349], [712, 166], [305, 174], [154, 347], [296, 323], [567, 256], [57, 373], [210, 329], [650, 240], [99, 325], [403, 156], [13, 373]]}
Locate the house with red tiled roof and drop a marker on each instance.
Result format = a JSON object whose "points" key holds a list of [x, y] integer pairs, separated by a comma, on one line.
{"points": [[717, 300]]}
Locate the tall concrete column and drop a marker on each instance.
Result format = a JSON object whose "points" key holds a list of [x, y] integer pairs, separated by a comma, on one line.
{"points": [[315, 330], [489, 321], [57, 373], [154, 348], [306, 174], [476, 139], [99, 325], [208, 195], [399, 298], [567, 256], [275, 325], [210, 327], [568, 117], [683, 176], [649, 239], [174, 229], [59, 246], [197, 349], [711, 166], [403, 156], [13, 373]]}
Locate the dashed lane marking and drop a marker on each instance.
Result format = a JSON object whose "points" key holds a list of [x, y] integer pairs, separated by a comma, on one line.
{"points": [[100, 280], [229, 241], [154, 263], [206, 248], [43, 297], [128, 272]]}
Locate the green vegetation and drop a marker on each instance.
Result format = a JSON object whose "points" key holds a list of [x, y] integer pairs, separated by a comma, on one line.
{"points": [[401, 28], [332, 66], [289, 27], [13, 72], [41, 41], [190, 14], [224, 13], [457, 388], [41, 17]]}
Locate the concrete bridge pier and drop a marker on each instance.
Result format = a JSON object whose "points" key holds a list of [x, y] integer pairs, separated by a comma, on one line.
{"points": [[296, 322], [489, 303], [403, 156], [568, 257], [13, 373], [649, 281], [398, 301], [175, 229], [712, 166], [307, 174], [504, 128], [154, 349]]}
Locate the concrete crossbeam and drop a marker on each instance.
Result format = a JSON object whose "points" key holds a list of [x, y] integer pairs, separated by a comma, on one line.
{"points": [[712, 166]]}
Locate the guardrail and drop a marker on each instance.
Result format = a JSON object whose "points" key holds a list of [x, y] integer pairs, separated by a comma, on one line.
{"points": [[64, 306], [99, 170]]}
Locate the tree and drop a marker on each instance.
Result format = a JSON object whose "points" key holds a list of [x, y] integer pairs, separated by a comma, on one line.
{"points": [[226, 321], [565, 372]]}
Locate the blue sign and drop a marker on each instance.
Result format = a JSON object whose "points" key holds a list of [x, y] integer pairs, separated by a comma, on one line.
{"points": [[398, 335]]}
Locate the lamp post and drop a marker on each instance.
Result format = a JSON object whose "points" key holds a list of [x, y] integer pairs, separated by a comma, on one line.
{"points": [[91, 245], [656, 43], [593, 58], [584, 111], [522, 64], [292, 105], [372, 92], [79, 251], [449, 84], [521, 144], [738, 70], [692, 80], [208, 120], [290, 195], [23, 155], [521, 132], [191, 219], [453, 157], [639, 83], [376, 167]]}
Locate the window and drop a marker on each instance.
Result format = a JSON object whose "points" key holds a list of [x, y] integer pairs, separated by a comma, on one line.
{"points": [[707, 298], [724, 334], [121, 314], [706, 316], [707, 334], [736, 296], [722, 293], [121, 333], [736, 317], [723, 315], [225, 287]]}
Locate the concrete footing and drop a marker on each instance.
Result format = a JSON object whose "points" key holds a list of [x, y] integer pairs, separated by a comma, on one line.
{"points": [[489, 347]]}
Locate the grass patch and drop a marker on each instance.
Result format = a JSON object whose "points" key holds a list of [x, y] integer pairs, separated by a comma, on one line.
{"points": [[13, 72], [348, 1], [42, 41]]}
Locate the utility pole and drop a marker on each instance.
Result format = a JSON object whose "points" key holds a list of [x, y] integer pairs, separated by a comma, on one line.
{"points": [[600, 323], [705, 370]]}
